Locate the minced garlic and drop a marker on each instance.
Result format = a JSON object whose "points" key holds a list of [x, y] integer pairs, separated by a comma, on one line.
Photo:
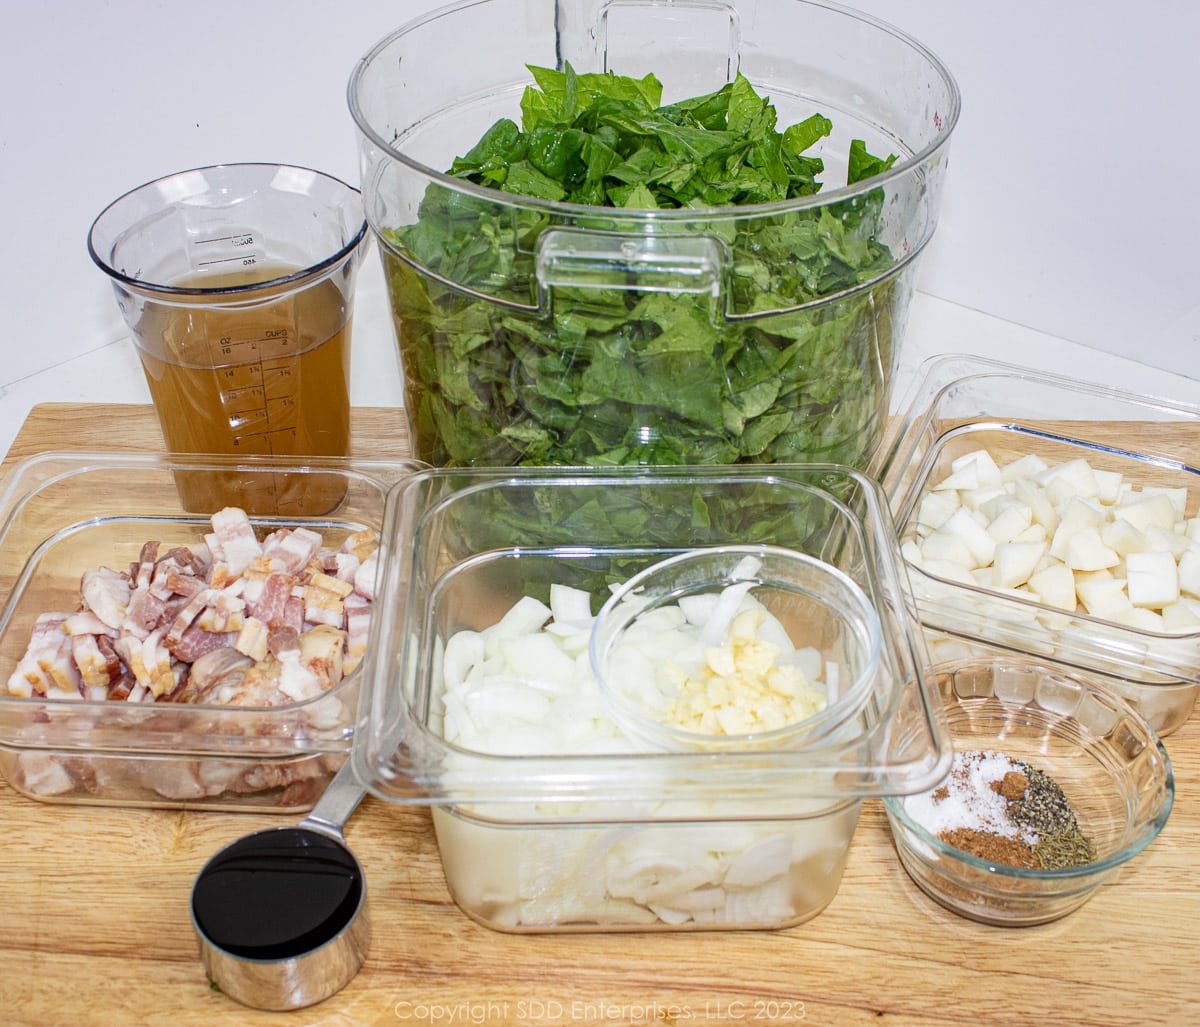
{"points": [[740, 689]]}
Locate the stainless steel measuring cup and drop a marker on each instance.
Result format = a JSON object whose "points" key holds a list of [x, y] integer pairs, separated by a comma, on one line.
{"points": [[281, 914]]}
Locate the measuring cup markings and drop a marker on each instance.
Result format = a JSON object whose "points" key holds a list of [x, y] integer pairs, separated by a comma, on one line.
{"points": [[258, 387], [232, 249]]}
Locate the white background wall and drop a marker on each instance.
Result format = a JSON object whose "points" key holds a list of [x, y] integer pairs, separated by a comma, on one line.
{"points": [[1071, 202]]}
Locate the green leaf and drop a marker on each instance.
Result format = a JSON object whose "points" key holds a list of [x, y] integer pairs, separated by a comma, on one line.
{"points": [[863, 165], [799, 137]]}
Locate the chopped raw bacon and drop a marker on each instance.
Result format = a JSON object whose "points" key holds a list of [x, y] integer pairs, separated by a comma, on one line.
{"points": [[321, 606], [364, 576], [86, 623], [106, 593], [144, 612], [344, 565], [230, 620], [290, 550], [358, 620], [272, 599], [236, 542], [283, 641], [92, 663], [185, 615], [195, 642], [252, 639], [361, 543], [144, 569]]}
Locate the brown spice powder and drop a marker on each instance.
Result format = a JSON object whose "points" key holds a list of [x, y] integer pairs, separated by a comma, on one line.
{"points": [[995, 848], [1013, 785]]}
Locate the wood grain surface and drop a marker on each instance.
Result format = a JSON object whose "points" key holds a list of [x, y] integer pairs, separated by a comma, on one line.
{"points": [[94, 924]]}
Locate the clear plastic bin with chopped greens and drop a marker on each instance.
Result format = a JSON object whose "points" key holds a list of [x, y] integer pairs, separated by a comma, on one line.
{"points": [[606, 248]]}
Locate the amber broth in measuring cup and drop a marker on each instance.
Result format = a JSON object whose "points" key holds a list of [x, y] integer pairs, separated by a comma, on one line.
{"points": [[237, 284], [268, 377]]}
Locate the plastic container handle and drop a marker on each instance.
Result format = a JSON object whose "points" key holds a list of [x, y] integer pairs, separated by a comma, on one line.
{"points": [[581, 258]]}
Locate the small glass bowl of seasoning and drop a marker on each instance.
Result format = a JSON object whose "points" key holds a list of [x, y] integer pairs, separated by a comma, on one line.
{"points": [[1056, 784]]}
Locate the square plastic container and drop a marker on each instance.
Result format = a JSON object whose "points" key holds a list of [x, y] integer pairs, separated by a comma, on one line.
{"points": [[62, 514], [1136, 446], [554, 818]]}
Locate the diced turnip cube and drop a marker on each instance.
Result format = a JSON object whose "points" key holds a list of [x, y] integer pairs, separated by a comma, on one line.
{"points": [[935, 507], [1177, 494], [1077, 515], [975, 498], [965, 478], [1103, 598], [1008, 523], [1109, 485], [1179, 617], [1014, 562], [946, 649], [1189, 573], [1034, 533], [986, 471], [1033, 496], [1142, 510], [1025, 612], [910, 549], [1141, 618], [1162, 540], [945, 544], [1152, 579], [1055, 586], [978, 541], [1027, 466], [948, 569], [1070, 478], [1123, 538]]}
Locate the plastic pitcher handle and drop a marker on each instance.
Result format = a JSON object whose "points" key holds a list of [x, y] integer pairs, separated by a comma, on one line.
{"points": [[595, 36]]}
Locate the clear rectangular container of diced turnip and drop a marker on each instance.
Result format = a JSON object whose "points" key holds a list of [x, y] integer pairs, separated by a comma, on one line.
{"points": [[1055, 517], [480, 699]]}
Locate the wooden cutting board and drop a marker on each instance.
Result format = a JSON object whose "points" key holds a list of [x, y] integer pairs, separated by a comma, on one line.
{"points": [[94, 923]]}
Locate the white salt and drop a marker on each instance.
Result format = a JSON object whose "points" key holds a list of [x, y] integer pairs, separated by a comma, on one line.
{"points": [[970, 799]]}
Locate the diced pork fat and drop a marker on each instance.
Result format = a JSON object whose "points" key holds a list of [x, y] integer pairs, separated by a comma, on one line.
{"points": [[234, 535], [364, 576], [358, 623], [106, 593], [289, 550]]}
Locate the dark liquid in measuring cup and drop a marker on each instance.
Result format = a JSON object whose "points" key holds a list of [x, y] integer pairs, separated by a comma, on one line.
{"points": [[277, 895]]}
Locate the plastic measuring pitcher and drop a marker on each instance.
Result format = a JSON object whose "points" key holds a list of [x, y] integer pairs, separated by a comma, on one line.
{"points": [[237, 284]]}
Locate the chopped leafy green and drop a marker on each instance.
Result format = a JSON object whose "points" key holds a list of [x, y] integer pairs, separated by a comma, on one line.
{"points": [[788, 361]]}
